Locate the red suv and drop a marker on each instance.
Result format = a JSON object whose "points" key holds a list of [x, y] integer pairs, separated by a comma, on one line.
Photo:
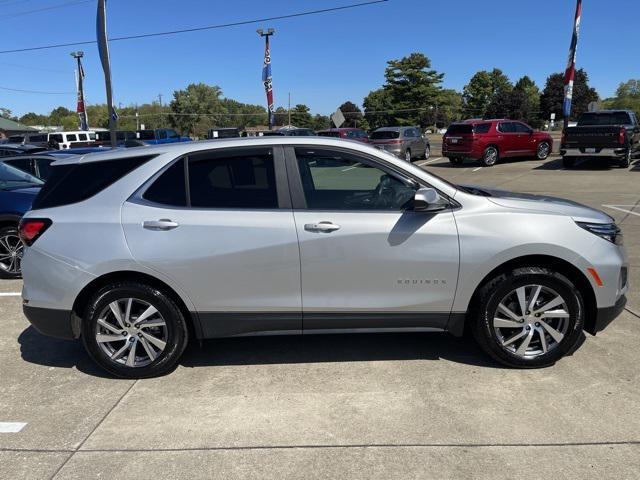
{"points": [[490, 140]]}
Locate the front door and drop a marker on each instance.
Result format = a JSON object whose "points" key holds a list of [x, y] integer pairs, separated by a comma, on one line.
{"points": [[368, 261], [226, 237]]}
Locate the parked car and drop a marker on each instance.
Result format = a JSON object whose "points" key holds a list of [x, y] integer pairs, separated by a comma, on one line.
{"points": [[607, 134], [17, 191], [66, 140], [490, 140], [297, 132], [160, 136], [135, 251], [10, 150], [403, 142], [103, 138], [346, 133], [230, 132], [35, 139]]}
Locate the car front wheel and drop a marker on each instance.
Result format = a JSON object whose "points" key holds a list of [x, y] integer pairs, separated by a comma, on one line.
{"points": [[11, 249], [528, 318], [543, 152], [133, 330]]}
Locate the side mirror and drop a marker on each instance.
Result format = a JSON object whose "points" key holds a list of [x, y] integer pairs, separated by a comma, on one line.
{"points": [[428, 200]]}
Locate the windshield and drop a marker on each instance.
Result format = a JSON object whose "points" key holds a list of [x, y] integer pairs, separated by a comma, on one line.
{"points": [[384, 135], [612, 118], [11, 177]]}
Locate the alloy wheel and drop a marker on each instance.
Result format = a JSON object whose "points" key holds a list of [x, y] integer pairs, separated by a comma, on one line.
{"points": [[407, 156], [543, 151], [131, 332], [490, 156], [530, 321], [11, 250]]}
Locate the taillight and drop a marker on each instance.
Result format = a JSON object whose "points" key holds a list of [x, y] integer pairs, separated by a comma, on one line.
{"points": [[395, 142], [622, 136], [30, 229], [563, 139]]}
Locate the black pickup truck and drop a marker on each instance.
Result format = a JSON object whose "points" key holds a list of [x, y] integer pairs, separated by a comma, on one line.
{"points": [[608, 134]]}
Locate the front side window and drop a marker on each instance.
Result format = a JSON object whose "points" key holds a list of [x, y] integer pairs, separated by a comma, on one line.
{"points": [[234, 179], [521, 128], [335, 180]]}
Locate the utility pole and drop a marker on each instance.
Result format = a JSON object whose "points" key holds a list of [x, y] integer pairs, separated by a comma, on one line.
{"points": [[80, 107], [160, 100], [103, 49], [266, 73], [289, 109]]}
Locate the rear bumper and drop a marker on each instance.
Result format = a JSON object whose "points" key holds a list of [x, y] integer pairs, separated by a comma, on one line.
{"points": [[53, 323], [606, 315], [603, 152]]}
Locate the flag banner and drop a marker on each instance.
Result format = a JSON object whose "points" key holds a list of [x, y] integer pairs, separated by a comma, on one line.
{"points": [[80, 109], [103, 49], [266, 80], [570, 73]]}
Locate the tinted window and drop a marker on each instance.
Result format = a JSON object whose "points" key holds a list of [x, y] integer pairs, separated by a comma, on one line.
{"points": [[146, 135], [460, 128], [507, 127], [82, 137], [608, 118], [482, 128], [21, 163], [385, 135], [44, 168], [329, 134], [11, 178], [238, 179], [57, 138], [334, 180], [172, 134], [72, 137], [76, 182], [521, 128], [169, 188]]}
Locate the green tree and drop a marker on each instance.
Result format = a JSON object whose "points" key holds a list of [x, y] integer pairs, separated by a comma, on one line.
{"points": [[32, 118], [353, 116], [377, 107], [627, 97], [6, 113], [194, 108], [300, 116], [525, 102], [552, 96], [487, 94], [320, 122], [449, 108]]}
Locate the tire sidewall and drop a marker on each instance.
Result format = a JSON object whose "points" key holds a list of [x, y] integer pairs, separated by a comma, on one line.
{"points": [[174, 319], [485, 161], [556, 282], [543, 157], [5, 231]]}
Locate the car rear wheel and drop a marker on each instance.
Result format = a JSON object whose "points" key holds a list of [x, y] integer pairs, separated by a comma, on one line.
{"points": [[11, 250], [490, 156], [133, 330], [568, 162], [407, 155], [530, 317], [543, 151], [427, 152]]}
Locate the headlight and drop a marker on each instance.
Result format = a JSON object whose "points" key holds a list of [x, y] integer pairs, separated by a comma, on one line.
{"points": [[608, 231]]}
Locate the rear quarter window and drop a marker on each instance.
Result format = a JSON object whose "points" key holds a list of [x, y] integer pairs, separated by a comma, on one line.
{"points": [[73, 183]]}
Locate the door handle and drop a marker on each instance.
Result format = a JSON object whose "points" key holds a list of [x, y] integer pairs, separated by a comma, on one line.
{"points": [[325, 227], [162, 224]]}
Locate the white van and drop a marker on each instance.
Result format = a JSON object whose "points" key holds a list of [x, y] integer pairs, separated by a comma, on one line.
{"points": [[64, 140]]}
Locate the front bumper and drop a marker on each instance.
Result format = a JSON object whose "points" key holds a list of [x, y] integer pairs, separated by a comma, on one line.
{"points": [[605, 316], [53, 323]]}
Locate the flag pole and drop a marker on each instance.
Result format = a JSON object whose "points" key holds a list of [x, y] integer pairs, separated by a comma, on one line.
{"points": [[103, 48], [266, 74], [570, 72], [80, 107]]}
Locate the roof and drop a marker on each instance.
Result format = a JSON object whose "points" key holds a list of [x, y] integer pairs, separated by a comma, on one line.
{"points": [[393, 129], [11, 125]]}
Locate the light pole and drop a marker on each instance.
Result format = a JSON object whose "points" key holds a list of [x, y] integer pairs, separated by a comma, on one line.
{"points": [[103, 49], [266, 72], [80, 106]]}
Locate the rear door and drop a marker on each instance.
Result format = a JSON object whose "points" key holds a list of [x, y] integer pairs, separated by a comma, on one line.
{"points": [[368, 261], [220, 225]]}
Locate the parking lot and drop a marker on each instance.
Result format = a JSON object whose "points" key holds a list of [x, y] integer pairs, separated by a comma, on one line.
{"points": [[360, 406]]}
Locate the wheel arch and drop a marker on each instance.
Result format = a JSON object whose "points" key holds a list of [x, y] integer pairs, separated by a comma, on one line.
{"points": [[80, 303], [577, 277]]}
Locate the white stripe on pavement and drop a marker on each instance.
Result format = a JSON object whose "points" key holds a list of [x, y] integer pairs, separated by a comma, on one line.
{"points": [[617, 207], [428, 161], [476, 169], [10, 294], [11, 427]]}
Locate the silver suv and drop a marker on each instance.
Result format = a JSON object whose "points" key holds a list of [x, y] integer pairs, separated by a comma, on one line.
{"points": [[403, 142], [137, 251]]}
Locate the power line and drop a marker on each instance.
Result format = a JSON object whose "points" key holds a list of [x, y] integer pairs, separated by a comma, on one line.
{"points": [[198, 29], [37, 10], [36, 91]]}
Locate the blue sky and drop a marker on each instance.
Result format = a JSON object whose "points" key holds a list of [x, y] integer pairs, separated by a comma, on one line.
{"points": [[322, 60]]}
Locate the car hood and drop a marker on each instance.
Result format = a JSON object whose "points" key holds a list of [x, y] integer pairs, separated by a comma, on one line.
{"points": [[543, 204]]}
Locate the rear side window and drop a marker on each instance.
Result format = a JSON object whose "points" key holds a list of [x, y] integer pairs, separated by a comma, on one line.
{"points": [[169, 188], [72, 137], [482, 128], [76, 182], [240, 179]]}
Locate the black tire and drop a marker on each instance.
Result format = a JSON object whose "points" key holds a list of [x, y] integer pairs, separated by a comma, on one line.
{"points": [[176, 329], [568, 162], [456, 161], [11, 253], [494, 291], [626, 161], [407, 155], [490, 156], [427, 152], [543, 153]]}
